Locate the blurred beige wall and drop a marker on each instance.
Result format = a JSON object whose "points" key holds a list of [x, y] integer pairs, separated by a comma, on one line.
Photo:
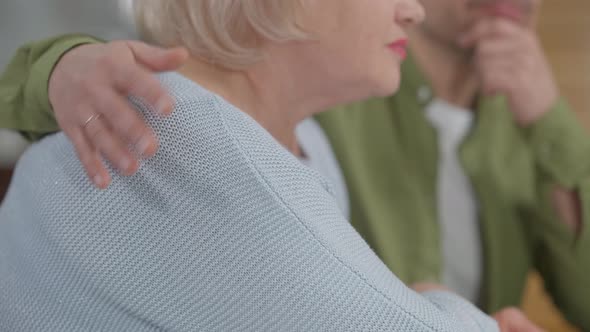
{"points": [[565, 32]]}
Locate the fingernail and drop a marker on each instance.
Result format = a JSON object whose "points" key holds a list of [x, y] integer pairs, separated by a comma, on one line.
{"points": [[144, 146], [125, 164], [163, 106], [99, 181]]}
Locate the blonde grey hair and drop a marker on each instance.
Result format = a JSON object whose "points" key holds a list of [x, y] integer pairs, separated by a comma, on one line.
{"points": [[225, 32]]}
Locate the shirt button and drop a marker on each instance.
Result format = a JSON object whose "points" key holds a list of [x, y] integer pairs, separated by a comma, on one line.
{"points": [[424, 94]]}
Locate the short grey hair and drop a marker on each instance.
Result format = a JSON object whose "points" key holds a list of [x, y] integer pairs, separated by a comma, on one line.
{"points": [[224, 32]]}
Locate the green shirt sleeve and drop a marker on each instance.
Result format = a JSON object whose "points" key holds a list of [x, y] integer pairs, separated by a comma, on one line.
{"points": [[561, 146], [24, 100], [561, 149]]}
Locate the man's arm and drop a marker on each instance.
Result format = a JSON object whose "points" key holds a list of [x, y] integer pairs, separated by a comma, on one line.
{"points": [[561, 148], [511, 62], [560, 219], [24, 102], [86, 83]]}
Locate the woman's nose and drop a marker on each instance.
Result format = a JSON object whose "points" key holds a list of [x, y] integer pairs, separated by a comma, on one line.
{"points": [[409, 12]]}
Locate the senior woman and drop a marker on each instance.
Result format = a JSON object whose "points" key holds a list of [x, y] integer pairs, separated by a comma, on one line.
{"points": [[224, 229]]}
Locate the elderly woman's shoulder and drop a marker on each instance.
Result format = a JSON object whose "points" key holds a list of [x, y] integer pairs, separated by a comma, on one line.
{"points": [[191, 100], [199, 114], [206, 126]]}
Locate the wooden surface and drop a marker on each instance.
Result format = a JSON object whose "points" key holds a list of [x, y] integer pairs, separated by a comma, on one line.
{"points": [[564, 28], [539, 307]]}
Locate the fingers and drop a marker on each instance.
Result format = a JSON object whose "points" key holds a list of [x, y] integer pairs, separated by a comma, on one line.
{"points": [[513, 320], [495, 83], [156, 58], [96, 80], [503, 61], [101, 138], [139, 80], [497, 75], [495, 48], [126, 122], [141, 83], [503, 66], [90, 159]]}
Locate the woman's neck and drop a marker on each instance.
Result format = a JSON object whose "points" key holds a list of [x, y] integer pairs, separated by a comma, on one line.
{"points": [[259, 97], [267, 93]]}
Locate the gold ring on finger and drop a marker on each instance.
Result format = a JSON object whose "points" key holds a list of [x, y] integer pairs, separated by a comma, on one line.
{"points": [[90, 119]]}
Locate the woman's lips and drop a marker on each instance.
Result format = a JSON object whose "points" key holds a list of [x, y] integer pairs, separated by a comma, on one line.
{"points": [[400, 48]]}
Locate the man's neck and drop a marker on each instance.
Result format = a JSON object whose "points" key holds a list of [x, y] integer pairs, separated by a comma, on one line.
{"points": [[448, 69]]}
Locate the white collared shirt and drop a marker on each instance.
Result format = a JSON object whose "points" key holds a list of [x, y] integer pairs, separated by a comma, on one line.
{"points": [[457, 206]]}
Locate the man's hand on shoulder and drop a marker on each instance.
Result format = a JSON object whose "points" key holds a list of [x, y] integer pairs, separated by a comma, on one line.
{"points": [[88, 91]]}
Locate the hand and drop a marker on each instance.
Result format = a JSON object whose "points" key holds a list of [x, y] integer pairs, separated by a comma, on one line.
{"points": [[514, 320], [510, 61], [88, 91]]}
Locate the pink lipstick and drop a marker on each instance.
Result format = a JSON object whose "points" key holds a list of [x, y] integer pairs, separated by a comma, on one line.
{"points": [[400, 48]]}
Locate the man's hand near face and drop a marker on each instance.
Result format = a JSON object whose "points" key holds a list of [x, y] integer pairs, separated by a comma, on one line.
{"points": [[510, 60]]}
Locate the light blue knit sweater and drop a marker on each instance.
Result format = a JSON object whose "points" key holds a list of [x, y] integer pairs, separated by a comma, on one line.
{"points": [[224, 230]]}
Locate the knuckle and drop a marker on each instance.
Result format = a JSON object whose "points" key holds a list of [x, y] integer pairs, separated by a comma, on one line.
{"points": [[129, 83], [135, 131], [115, 154], [95, 131], [152, 89], [87, 84], [106, 63]]}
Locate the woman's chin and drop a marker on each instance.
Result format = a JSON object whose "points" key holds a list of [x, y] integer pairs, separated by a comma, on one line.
{"points": [[387, 87]]}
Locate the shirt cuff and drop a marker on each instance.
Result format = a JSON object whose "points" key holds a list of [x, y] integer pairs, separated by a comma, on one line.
{"points": [[561, 146], [39, 88]]}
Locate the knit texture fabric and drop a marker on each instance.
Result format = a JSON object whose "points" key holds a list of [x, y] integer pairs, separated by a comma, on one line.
{"points": [[223, 230]]}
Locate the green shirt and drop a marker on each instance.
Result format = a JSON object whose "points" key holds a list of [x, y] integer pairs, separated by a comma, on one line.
{"points": [[388, 152]]}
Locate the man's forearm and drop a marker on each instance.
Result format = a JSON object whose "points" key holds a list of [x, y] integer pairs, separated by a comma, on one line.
{"points": [[24, 101]]}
